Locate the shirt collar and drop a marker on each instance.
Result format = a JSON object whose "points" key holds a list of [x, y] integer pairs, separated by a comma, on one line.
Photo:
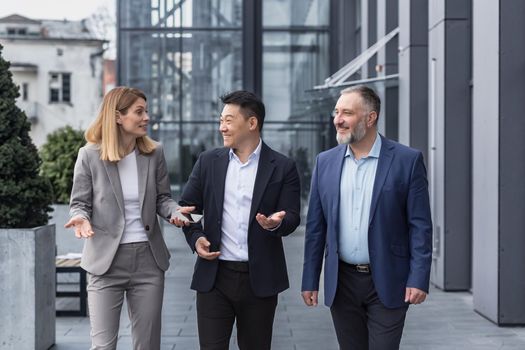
{"points": [[254, 156], [374, 151]]}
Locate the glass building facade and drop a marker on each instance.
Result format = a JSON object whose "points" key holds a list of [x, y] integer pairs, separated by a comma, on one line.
{"points": [[185, 54], [439, 78]]}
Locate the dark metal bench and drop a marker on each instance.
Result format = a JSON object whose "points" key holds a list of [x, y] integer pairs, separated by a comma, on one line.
{"points": [[72, 266]]}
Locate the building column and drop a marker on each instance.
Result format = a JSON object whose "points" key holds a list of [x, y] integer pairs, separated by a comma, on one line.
{"points": [[252, 50], [498, 169], [413, 74], [387, 62], [449, 152]]}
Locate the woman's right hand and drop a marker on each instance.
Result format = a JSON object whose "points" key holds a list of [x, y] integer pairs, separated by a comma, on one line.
{"points": [[82, 226]]}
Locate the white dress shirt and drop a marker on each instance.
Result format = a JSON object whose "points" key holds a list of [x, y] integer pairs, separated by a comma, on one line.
{"points": [[238, 192], [129, 180]]}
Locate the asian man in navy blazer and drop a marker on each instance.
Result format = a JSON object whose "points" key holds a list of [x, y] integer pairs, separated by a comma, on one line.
{"points": [[250, 197], [369, 217]]}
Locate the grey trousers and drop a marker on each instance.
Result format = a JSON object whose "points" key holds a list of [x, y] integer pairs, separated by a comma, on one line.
{"points": [[135, 274]]}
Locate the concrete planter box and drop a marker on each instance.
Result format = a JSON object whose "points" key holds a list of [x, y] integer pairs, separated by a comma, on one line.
{"points": [[27, 288], [66, 241]]}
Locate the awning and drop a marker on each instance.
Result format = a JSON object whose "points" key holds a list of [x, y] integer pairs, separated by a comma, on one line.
{"points": [[339, 77]]}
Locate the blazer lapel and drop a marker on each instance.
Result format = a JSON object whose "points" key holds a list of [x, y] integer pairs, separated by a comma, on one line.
{"points": [[220, 167], [264, 173], [114, 179], [383, 166], [335, 185], [142, 172]]}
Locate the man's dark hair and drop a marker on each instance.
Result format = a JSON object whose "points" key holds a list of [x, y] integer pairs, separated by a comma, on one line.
{"points": [[369, 96], [250, 104]]}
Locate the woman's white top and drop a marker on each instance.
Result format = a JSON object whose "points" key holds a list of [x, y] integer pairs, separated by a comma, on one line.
{"points": [[129, 179]]}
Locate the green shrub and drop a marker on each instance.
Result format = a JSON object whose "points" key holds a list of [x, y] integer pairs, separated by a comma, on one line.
{"points": [[25, 196], [59, 155]]}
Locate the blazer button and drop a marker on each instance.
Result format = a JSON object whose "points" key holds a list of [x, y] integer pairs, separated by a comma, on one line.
{"points": [[146, 227]]}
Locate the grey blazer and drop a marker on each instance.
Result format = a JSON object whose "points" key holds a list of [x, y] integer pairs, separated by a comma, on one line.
{"points": [[97, 196]]}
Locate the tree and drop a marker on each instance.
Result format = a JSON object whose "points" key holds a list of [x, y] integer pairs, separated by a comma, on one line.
{"points": [[59, 155], [25, 196]]}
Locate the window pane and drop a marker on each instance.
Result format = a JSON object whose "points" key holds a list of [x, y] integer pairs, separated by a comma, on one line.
{"points": [[152, 63], [295, 13], [301, 142], [177, 13], [182, 75], [25, 88], [182, 151], [214, 66], [293, 65], [66, 87], [212, 13], [53, 95]]}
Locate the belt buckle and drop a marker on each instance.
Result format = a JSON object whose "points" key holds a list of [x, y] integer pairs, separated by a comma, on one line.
{"points": [[362, 268]]}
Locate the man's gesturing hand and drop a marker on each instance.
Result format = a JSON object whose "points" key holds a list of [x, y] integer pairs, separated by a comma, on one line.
{"points": [[202, 247], [82, 226], [310, 297], [178, 222], [271, 222], [414, 296]]}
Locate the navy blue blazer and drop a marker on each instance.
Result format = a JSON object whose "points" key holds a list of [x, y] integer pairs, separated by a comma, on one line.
{"points": [[400, 226], [276, 188]]}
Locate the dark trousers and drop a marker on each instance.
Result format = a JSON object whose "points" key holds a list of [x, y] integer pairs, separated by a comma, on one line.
{"points": [[231, 300], [361, 321]]}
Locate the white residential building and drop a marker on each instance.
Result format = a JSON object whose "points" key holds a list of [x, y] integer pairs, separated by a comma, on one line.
{"points": [[58, 66]]}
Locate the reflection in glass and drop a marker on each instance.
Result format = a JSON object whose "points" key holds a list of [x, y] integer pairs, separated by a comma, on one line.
{"points": [[183, 74], [177, 13], [298, 125], [185, 54], [293, 64], [295, 12]]}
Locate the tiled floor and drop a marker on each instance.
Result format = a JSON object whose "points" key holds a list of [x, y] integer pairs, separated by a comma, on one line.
{"points": [[445, 321]]}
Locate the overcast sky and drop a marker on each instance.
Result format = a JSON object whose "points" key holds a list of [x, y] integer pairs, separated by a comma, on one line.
{"points": [[54, 9], [64, 9]]}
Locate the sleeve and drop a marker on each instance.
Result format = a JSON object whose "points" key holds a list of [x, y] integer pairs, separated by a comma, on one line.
{"points": [[420, 227], [165, 204], [192, 196], [315, 236], [81, 199], [289, 201]]}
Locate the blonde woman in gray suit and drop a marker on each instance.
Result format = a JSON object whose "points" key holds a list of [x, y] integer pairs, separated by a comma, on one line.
{"points": [[120, 185]]}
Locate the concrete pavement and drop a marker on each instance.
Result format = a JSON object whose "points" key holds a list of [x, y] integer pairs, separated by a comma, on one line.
{"points": [[445, 321]]}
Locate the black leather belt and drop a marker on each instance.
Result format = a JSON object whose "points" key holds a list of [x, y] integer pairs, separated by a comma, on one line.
{"points": [[239, 266], [363, 268]]}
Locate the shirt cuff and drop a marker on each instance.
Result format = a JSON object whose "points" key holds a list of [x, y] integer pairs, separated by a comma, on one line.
{"points": [[276, 227]]}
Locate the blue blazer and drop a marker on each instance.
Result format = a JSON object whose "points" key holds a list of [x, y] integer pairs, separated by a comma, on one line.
{"points": [[400, 226]]}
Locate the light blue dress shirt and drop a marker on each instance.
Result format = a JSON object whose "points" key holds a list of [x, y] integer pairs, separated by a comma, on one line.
{"points": [[238, 192], [357, 183]]}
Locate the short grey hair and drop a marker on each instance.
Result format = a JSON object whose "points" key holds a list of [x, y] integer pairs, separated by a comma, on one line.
{"points": [[369, 96]]}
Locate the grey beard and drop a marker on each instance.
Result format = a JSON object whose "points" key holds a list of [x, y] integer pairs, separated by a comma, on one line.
{"points": [[355, 136]]}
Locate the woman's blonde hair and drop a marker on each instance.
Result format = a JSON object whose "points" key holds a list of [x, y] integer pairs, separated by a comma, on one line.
{"points": [[104, 131]]}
